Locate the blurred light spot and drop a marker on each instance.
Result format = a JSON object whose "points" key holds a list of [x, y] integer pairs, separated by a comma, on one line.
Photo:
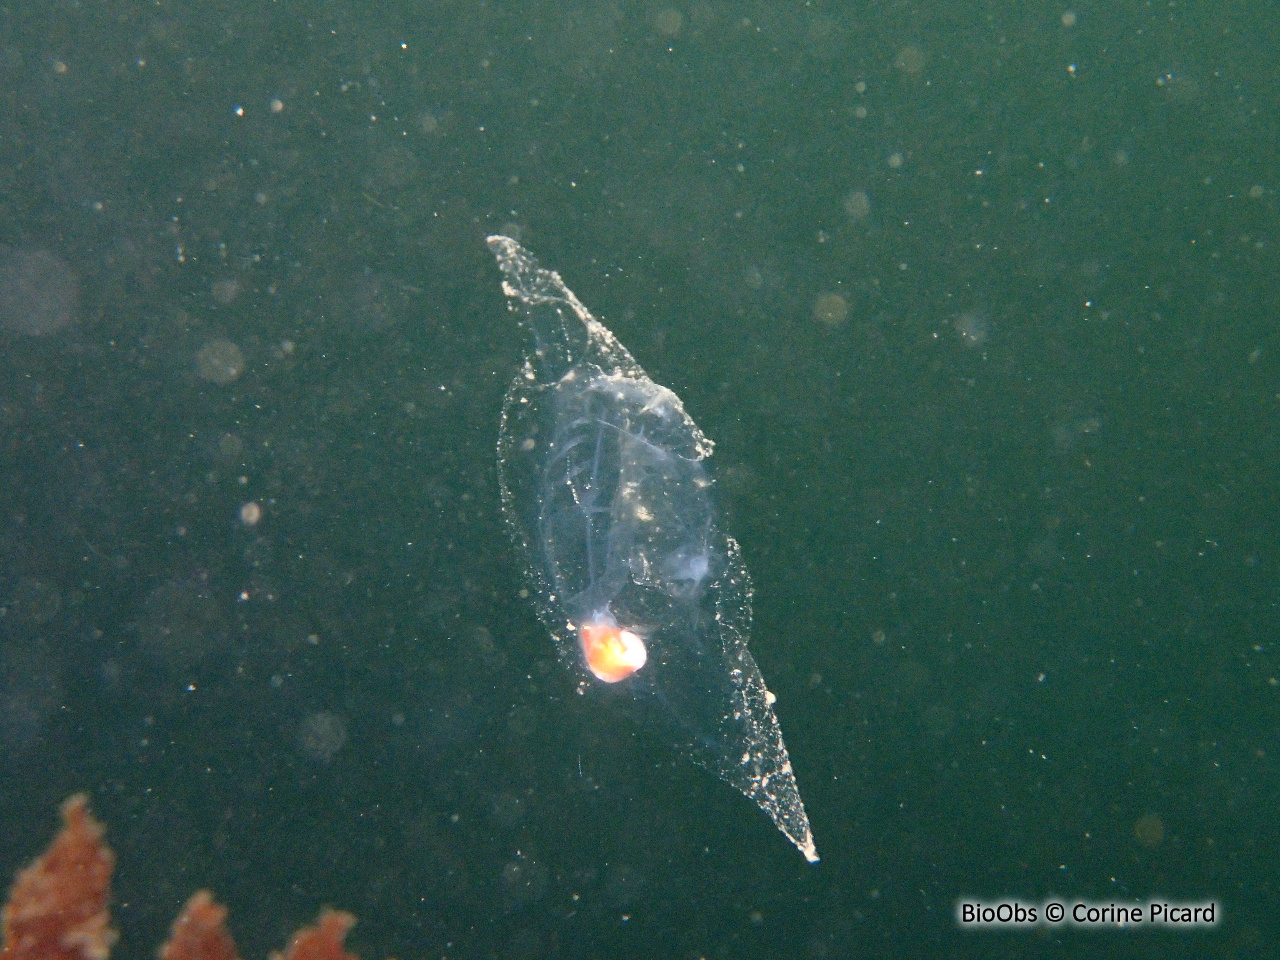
{"points": [[524, 881], [321, 735], [181, 624], [910, 61], [230, 446], [38, 292], [1149, 829], [29, 697], [220, 362], [668, 22], [973, 326], [831, 309], [33, 602], [857, 205], [225, 291], [507, 810]]}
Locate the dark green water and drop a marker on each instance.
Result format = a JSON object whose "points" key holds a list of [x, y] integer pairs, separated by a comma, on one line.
{"points": [[978, 302]]}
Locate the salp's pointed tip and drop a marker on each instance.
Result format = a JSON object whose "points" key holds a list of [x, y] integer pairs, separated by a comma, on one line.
{"points": [[803, 840], [809, 850]]}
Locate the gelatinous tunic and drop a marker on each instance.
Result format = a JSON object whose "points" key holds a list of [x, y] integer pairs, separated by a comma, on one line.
{"points": [[605, 487]]}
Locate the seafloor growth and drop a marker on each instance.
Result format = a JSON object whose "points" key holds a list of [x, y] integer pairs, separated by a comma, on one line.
{"points": [[59, 909]]}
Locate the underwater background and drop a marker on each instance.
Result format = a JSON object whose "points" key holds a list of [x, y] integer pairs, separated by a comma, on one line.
{"points": [[979, 302]]}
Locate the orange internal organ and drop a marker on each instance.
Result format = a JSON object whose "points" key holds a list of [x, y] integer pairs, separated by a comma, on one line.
{"points": [[611, 653]]}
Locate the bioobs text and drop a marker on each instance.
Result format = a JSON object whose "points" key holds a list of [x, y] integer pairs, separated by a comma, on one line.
{"points": [[998, 914]]}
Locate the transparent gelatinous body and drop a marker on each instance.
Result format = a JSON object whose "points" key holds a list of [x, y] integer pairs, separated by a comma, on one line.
{"points": [[605, 486]]}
